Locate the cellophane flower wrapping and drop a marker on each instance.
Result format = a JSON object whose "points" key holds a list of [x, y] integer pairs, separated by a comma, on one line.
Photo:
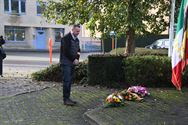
{"points": [[114, 100], [141, 91], [134, 93]]}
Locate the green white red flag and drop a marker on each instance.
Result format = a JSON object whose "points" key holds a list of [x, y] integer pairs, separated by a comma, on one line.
{"points": [[180, 46]]}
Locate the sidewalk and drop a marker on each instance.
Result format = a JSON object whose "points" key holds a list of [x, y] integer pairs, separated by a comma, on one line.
{"points": [[29, 50], [55, 50], [44, 106], [27, 102], [162, 107]]}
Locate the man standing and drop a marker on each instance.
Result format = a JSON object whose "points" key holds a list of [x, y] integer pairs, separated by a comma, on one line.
{"points": [[69, 57], [2, 55]]}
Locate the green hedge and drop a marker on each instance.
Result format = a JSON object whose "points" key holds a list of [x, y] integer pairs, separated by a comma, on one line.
{"points": [[120, 71], [53, 73], [117, 71], [105, 70], [152, 71], [81, 72], [185, 77], [143, 51]]}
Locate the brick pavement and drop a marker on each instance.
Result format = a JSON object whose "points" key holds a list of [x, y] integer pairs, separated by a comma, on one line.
{"points": [[27, 102], [163, 107], [45, 107], [10, 86]]}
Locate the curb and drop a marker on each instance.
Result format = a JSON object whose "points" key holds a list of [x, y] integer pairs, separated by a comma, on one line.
{"points": [[89, 119], [43, 51], [29, 50]]}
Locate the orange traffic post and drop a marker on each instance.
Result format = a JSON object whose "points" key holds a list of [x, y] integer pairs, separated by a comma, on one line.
{"points": [[50, 49], [112, 43]]}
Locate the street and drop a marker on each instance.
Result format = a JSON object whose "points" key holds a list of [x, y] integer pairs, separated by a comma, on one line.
{"points": [[24, 63]]}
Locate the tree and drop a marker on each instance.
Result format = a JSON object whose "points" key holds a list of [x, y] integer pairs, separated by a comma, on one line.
{"points": [[130, 17], [177, 6]]}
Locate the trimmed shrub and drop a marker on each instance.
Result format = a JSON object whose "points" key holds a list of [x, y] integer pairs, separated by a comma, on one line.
{"points": [[150, 71], [117, 71], [105, 70], [53, 73], [185, 77], [81, 72], [143, 51]]}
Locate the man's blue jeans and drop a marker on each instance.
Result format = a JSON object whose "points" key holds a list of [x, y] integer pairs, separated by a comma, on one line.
{"points": [[68, 73]]}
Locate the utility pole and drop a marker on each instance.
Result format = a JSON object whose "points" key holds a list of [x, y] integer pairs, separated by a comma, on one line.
{"points": [[171, 33]]}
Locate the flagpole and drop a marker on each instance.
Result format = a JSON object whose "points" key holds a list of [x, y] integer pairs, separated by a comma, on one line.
{"points": [[171, 33]]}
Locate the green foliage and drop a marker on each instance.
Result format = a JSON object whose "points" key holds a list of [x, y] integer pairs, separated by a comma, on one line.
{"points": [[185, 77], [120, 71], [143, 51], [117, 71], [53, 73], [107, 15], [177, 7], [151, 71], [105, 70], [81, 72]]}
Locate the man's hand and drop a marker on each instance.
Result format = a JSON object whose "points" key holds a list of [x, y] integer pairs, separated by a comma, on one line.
{"points": [[76, 62], [78, 55]]}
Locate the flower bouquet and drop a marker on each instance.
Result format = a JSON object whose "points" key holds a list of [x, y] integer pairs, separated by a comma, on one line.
{"points": [[134, 93], [114, 100], [130, 96], [141, 91]]}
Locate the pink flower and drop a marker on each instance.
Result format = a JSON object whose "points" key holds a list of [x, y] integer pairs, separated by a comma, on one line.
{"points": [[142, 91]]}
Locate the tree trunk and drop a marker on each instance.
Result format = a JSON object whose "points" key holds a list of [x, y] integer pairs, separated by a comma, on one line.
{"points": [[130, 41]]}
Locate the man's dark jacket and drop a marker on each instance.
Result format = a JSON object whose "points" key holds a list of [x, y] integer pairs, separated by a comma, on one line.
{"points": [[69, 49]]}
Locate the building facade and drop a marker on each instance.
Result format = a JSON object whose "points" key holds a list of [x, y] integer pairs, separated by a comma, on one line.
{"points": [[23, 26]]}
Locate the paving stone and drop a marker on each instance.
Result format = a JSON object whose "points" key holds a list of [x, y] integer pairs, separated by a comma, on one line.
{"points": [[27, 102], [45, 107], [15, 86], [163, 107]]}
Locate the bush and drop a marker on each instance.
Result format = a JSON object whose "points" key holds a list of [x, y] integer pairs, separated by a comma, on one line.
{"points": [[105, 70], [117, 71], [53, 73], [143, 51], [81, 72], [120, 71], [150, 71], [185, 77]]}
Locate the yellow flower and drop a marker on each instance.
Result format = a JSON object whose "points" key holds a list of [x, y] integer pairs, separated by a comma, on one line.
{"points": [[116, 99]]}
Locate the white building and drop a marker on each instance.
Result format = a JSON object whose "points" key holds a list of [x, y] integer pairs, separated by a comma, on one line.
{"points": [[22, 26]]}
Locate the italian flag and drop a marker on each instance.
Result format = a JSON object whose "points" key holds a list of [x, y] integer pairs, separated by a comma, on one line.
{"points": [[180, 47]]}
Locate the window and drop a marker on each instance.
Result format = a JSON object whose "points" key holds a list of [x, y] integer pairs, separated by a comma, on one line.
{"points": [[59, 33], [39, 8], [23, 6], [14, 6], [14, 33], [6, 5]]}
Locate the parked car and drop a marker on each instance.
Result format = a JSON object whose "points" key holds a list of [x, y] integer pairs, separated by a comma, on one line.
{"points": [[159, 44]]}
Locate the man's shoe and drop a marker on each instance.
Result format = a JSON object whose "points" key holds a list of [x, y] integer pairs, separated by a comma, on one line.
{"points": [[69, 103], [73, 101]]}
